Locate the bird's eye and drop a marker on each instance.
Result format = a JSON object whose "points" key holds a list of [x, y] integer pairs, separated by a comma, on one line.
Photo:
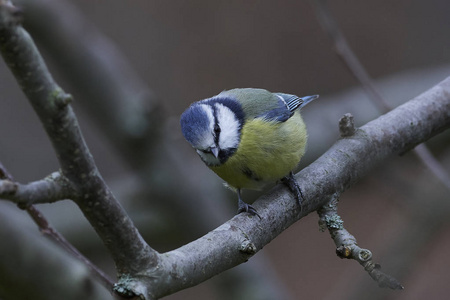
{"points": [[216, 129]]}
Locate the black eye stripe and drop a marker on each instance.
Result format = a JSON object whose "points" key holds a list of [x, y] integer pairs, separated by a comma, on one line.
{"points": [[216, 125], [216, 128]]}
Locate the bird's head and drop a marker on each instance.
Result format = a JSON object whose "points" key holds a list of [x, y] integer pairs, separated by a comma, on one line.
{"points": [[213, 127]]}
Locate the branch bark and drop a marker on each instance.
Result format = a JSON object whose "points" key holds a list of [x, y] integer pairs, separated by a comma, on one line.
{"points": [[50, 189], [339, 168], [51, 104]]}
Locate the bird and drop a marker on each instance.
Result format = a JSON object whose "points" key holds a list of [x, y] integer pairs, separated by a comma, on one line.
{"points": [[249, 137]]}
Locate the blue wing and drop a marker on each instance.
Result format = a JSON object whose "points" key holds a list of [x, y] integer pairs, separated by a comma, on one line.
{"points": [[285, 108], [287, 104]]}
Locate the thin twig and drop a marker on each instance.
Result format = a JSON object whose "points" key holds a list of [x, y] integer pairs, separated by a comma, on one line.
{"points": [[433, 164], [351, 61], [50, 232], [347, 247], [34, 268], [54, 187], [346, 54]]}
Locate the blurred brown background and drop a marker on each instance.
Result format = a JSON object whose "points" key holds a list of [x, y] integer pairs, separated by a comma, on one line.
{"points": [[189, 50]]}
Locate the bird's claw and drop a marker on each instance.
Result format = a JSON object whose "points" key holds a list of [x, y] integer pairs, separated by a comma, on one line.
{"points": [[292, 184], [244, 207]]}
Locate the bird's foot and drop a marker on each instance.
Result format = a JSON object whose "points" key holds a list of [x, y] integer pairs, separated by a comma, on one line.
{"points": [[244, 207], [292, 184]]}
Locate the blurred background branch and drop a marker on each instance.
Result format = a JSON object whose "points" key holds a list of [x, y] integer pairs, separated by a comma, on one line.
{"points": [[355, 67], [47, 267]]}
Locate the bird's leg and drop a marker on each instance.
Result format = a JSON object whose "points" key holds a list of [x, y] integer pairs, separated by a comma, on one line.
{"points": [[244, 207], [294, 187]]}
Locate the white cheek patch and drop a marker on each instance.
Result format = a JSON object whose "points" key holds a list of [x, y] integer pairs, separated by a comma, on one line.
{"points": [[229, 127], [206, 138]]}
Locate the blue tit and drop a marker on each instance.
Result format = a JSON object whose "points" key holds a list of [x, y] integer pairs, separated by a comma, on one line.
{"points": [[249, 137]]}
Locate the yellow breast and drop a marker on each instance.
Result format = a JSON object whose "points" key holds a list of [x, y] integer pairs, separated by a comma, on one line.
{"points": [[268, 151]]}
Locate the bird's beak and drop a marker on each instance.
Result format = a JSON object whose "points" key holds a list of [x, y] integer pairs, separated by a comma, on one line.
{"points": [[307, 99], [215, 151]]}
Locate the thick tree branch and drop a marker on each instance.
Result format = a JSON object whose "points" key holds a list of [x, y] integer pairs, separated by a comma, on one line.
{"points": [[51, 104], [340, 167], [97, 68]]}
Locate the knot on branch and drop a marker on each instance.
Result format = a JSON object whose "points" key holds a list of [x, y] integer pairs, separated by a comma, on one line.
{"points": [[344, 251], [347, 125], [247, 247], [124, 287], [60, 98], [124, 292], [353, 252], [7, 187]]}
